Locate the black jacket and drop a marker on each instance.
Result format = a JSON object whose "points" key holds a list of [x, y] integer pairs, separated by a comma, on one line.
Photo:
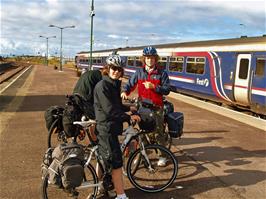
{"points": [[109, 110]]}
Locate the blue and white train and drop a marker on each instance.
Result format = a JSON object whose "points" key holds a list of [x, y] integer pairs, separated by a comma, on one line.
{"points": [[228, 71]]}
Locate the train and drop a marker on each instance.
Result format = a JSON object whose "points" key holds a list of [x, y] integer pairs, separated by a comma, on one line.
{"points": [[226, 71]]}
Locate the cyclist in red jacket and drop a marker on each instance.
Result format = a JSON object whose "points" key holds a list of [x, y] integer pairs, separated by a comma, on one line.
{"points": [[152, 83]]}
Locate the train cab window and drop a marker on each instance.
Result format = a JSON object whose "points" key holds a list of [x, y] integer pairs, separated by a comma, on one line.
{"points": [[176, 64], [260, 67], [130, 61], [195, 65], [162, 62], [138, 62], [243, 69]]}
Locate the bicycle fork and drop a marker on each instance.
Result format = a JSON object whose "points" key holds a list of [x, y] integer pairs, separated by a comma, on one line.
{"points": [[146, 159]]}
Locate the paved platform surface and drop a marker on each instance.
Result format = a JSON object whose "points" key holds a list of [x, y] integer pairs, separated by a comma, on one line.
{"points": [[218, 157]]}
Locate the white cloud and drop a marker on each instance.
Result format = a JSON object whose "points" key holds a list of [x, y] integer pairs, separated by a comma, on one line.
{"points": [[118, 20]]}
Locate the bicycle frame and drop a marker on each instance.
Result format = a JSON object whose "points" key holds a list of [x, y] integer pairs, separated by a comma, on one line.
{"points": [[130, 133]]}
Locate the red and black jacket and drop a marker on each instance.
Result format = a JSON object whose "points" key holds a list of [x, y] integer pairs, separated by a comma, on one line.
{"points": [[158, 77]]}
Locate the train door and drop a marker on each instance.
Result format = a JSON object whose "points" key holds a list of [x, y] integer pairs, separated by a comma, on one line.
{"points": [[242, 79]]}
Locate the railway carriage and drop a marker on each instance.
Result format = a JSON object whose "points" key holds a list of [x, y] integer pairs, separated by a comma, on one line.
{"points": [[228, 71]]}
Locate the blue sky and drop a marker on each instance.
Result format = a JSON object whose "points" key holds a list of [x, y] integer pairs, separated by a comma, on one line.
{"points": [[118, 23]]}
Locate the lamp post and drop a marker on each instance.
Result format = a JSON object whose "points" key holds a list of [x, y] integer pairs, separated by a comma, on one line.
{"points": [[92, 15], [47, 38], [61, 40]]}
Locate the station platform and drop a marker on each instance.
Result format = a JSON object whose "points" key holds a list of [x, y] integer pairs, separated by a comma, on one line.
{"points": [[219, 157]]}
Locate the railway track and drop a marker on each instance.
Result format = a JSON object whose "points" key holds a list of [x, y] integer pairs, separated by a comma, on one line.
{"points": [[9, 69]]}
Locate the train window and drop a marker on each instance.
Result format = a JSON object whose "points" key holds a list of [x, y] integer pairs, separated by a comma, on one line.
{"points": [[243, 69], [130, 61], [162, 62], [94, 61], [195, 65], [260, 67], [138, 62], [176, 64]]}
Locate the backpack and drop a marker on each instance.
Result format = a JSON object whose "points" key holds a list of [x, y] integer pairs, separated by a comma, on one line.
{"points": [[51, 114], [66, 168]]}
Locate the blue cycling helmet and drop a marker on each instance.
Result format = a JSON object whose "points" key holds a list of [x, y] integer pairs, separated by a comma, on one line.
{"points": [[115, 60], [149, 51]]}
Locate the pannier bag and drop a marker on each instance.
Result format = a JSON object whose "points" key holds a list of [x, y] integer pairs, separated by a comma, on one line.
{"points": [[70, 115], [175, 122], [68, 160], [50, 115], [73, 112], [168, 107], [148, 122]]}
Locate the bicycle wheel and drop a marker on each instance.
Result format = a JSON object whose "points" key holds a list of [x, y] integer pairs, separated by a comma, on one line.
{"points": [[55, 136], [156, 178], [49, 191]]}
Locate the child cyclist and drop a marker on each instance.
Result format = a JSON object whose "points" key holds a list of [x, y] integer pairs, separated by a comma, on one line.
{"points": [[110, 115]]}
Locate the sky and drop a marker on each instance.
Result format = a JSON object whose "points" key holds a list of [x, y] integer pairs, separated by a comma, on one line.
{"points": [[121, 23]]}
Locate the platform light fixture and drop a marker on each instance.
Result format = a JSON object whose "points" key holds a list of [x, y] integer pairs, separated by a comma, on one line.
{"points": [[47, 38], [92, 14], [61, 42], [243, 27]]}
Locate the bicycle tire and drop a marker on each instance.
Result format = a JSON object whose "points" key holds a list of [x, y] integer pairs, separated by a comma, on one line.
{"points": [[53, 191], [160, 178]]}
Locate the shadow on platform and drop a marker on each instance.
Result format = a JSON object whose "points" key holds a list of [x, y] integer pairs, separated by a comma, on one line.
{"points": [[31, 103]]}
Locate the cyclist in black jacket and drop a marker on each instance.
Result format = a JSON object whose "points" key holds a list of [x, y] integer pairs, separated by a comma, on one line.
{"points": [[110, 115]]}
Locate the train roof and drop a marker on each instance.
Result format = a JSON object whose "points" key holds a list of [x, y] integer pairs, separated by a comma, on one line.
{"points": [[194, 44]]}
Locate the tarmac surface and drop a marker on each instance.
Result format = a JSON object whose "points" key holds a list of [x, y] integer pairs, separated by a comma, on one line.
{"points": [[218, 157]]}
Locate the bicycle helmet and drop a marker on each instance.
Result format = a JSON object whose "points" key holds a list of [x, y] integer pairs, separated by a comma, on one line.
{"points": [[115, 60], [149, 51]]}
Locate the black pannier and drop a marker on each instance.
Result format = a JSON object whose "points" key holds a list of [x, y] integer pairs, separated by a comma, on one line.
{"points": [[51, 114], [148, 122], [71, 115], [168, 107], [73, 112], [175, 123]]}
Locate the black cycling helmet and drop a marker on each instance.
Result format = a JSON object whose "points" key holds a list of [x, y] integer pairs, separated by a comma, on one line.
{"points": [[149, 51]]}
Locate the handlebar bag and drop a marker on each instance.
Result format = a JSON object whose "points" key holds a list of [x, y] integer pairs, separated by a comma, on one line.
{"points": [[148, 122]]}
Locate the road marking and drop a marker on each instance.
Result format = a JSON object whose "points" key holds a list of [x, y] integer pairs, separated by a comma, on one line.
{"points": [[14, 80]]}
